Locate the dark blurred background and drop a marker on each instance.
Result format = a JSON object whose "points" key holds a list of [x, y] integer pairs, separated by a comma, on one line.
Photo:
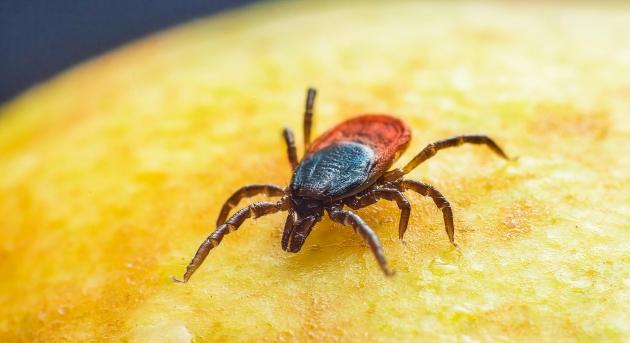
{"points": [[39, 38]]}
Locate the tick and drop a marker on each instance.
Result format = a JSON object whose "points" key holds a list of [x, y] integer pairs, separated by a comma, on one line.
{"points": [[346, 166]]}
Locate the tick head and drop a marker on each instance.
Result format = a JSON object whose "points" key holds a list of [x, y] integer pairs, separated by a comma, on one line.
{"points": [[302, 217]]}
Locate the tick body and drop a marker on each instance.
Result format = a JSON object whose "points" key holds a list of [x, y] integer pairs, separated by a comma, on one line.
{"points": [[347, 166]]}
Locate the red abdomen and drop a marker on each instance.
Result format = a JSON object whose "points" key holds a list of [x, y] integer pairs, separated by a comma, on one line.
{"points": [[387, 136]]}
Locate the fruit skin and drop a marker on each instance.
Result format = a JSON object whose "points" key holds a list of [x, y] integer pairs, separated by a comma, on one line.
{"points": [[112, 172]]}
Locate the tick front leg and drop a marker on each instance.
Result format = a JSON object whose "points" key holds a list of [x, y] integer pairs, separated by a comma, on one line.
{"points": [[439, 200], [291, 150], [254, 210], [308, 116], [372, 196], [433, 148], [246, 192], [368, 235]]}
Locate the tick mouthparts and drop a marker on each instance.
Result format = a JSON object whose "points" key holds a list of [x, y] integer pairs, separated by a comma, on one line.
{"points": [[288, 230], [298, 234]]}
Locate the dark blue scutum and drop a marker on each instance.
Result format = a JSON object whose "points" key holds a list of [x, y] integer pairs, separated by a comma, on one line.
{"points": [[333, 172]]}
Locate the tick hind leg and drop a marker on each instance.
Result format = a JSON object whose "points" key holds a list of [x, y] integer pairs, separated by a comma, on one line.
{"points": [[433, 148], [372, 196], [368, 235], [439, 200], [246, 192], [255, 210]]}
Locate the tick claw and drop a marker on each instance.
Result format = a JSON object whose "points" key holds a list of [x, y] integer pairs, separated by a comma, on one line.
{"points": [[176, 280]]}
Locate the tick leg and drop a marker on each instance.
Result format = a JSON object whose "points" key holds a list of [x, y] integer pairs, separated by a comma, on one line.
{"points": [[308, 116], [254, 210], [361, 227], [246, 192], [374, 195], [432, 149], [291, 150], [439, 200], [403, 205]]}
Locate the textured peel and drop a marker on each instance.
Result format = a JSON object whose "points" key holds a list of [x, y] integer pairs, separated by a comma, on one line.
{"points": [[112, 174]]}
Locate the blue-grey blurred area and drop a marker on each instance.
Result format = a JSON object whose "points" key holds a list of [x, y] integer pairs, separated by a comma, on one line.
{"points": [[39, 38]]}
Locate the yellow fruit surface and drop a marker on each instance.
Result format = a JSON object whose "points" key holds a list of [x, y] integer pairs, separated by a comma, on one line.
{"points": [[113, 173]]}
